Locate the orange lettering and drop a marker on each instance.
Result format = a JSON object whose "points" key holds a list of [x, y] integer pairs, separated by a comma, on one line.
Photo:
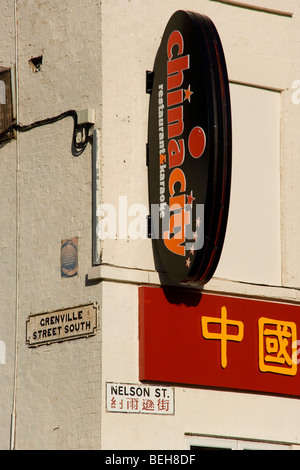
{"points": [[176, 152], [174, 97], [177, 226], [175, 122], [175, 69], [175, 39], [177, 176]]}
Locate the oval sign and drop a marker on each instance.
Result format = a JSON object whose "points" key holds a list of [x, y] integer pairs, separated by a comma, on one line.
{"points": [[189, 142]]}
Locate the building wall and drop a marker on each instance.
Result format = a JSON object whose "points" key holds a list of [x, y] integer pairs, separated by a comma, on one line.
{"points": [[95, 54], [46, 198], [260, 257]]}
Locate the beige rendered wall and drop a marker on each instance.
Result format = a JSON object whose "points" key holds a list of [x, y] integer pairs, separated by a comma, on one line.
{"points": [[50, 394]]}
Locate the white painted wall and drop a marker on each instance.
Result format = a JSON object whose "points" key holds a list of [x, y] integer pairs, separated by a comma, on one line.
{"points": [[252, 250], [262, 52]]}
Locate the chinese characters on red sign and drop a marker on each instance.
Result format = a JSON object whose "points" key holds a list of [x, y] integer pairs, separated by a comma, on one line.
{"points": [[223, 336], [218, 341], [271, 340]]}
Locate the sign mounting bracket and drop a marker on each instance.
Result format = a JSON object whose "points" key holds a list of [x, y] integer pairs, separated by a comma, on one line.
{"points": [[149, 81]]}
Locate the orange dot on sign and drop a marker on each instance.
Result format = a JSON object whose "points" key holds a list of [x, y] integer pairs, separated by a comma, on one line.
{"points": [[197, 142]]}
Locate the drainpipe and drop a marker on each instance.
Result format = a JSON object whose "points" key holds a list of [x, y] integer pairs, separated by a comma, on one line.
{"points": [[13, 415], [96, 189]]}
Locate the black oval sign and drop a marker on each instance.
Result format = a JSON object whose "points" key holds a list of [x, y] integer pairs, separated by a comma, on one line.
{"points": [[189, 138]]}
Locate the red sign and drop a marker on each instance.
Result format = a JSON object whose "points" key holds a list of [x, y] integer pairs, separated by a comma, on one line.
{"points": [[219, 341]]}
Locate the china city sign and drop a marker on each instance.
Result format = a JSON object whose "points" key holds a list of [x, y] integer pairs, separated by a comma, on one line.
{"points": [[224, 342], [189, 148]]}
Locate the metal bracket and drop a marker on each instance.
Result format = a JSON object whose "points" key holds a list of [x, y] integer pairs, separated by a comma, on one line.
{"points": [[147, 154], [149, 81], [149, 226]]}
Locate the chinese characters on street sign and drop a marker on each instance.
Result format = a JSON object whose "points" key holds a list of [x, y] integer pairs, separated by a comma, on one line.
{"points": [[219, 341], [130, 398]]}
